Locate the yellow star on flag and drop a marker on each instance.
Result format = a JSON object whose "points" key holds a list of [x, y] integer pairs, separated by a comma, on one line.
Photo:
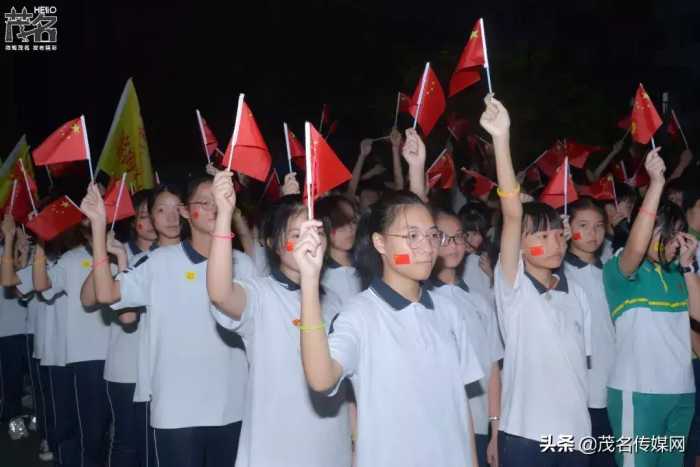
{"points": [[474, 34], [75, 127], [633, 127]]}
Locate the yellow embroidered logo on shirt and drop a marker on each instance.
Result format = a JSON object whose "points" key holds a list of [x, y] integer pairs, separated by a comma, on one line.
{"points": [[86, 263], [190, 275]]}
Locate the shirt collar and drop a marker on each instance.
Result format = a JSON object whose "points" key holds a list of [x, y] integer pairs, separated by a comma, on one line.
{"points": [[395, 300], [437, 283], [191, 253], [562, 284], [135, 250], [575, 261], [283, 280], [332, 264]]}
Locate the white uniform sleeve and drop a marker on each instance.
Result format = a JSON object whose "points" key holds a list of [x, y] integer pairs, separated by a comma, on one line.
{"points": [[494, 336], [243, 326], [243, 266], [344, 344], [134, 285]]}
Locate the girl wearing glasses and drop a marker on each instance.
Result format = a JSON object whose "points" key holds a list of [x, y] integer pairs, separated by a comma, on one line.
{"points": [[405, 349], [197, 373], [284, 422]]}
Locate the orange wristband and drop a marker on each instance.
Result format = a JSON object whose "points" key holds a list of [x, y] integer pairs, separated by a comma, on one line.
{"points": [[647, 213], [97, 264]]}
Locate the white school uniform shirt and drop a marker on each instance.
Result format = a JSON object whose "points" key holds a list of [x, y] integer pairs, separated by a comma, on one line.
{"points": [[196, 378], [285, 423], [35, 306], [590, 278], [87, 329], [409, 364], [485, 340], [260, 259], [13, 316], [607, 251], [53, 338], [342, 280], [547, 340], [476, 278]]}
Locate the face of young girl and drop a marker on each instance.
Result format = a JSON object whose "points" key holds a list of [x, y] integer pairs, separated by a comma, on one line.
{"points": [[201, 209], [587, 230], [544, 249], [144, 226], [410, 244], [166, 215], [290, 239], [474, 241], [666, 252], [343, 238], [454, 247]]}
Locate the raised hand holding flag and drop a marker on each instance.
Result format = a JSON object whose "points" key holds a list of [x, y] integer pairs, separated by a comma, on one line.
{"points": [[645, 118], [473, 56], [428, 102]]}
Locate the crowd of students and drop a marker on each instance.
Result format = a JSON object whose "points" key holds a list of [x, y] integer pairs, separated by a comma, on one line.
{"points": [[397, 327]]}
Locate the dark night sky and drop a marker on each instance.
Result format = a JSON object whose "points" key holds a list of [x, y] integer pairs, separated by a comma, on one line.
{"points": [[562, 70]]}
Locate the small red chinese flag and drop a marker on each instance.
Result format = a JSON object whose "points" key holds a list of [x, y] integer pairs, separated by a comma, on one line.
{"points": [[560, 190], [250, 153], [67, 143], [404, 103], [619, 171], [468, 69], [126, 206], [578, 153], [21, 204], [273, 188], [533, 175], [432, 103], [328, 170], [645, 118], [482, 185], [640, 178], [55, 219], [445, 167], [296, 149], [602, 190], [210, 141], [672, 129], [550, 161], [458, 127]]}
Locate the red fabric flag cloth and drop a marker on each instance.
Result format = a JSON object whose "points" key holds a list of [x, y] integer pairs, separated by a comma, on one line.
{"points": [[619, 171], [250, 153], [328, 170], [273, 188], [404, 103], [65, 144], [645, 118], [468, 69], [297, 150], [624, 122], [602, 190], [552, 158], [433, 180], [459, 127], [210, 140], [444, 165], [533, 175], [126, 205], [332, 129], [482, 185], [640, 178], [433, 102], [578, 153], [22, 205], [55, 219], [553, 193], [64, 169], [673, 130]]}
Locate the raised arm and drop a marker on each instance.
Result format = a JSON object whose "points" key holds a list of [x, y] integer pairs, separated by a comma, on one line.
{"points": [[635, 249], [414, 154], [395, 138], [496, 121], [688, 251], [685, 159], [365, 150], [594, 175], [8, 276], [240, 224], [40, 277], [228, 296], [322, 372], [106, 289]]}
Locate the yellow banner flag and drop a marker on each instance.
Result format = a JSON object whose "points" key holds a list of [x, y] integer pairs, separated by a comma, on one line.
{"points": [[126, 148], [11, 171]]}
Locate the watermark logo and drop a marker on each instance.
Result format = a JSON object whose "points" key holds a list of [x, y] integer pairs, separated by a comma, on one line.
{"points": [[31, 30]]}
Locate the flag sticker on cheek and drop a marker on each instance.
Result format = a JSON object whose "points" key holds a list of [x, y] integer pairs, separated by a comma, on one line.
{"points": [[537, 250], [139, 225], [576, 236], [289, 246], [402, 259], [195, 214]]}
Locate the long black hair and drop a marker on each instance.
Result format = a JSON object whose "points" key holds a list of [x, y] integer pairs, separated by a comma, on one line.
{"points": [[538, 217], [669, 221], [382, 214]]}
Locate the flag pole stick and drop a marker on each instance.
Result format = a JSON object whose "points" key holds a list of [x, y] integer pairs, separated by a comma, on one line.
{"points": [[396, 112], [204, 137], [119, 199], [320, 123], [236, 127], [157, 177], [12, 196], [536, 160], [48, 173], [653, 144], [486, 54], [420, 94], [680, 128], [87, 147], [309, 172], [612, 182], [286, 142], [26, 181], [566, 184]]}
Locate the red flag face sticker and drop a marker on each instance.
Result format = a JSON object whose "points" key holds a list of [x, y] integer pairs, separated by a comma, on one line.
{"points": [[289, 246], [402, 260], [576, 236], [537, 250], [195, 214]]}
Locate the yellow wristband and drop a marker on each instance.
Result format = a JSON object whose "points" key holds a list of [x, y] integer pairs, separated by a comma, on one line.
{"points": [[315, 327], [507, 194]]}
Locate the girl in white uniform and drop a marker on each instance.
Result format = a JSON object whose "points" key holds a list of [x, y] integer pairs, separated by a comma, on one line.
{"points": [[583, 265], [405, 349], [482, 329], [285, 423], [197, 378], [478, 272], [545, 323]]}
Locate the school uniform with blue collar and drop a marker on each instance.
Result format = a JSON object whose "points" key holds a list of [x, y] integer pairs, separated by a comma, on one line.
{"points": [[197, 375], [409, 364], [343, 280], [285, 422], [484, 336], [545, 381]]}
